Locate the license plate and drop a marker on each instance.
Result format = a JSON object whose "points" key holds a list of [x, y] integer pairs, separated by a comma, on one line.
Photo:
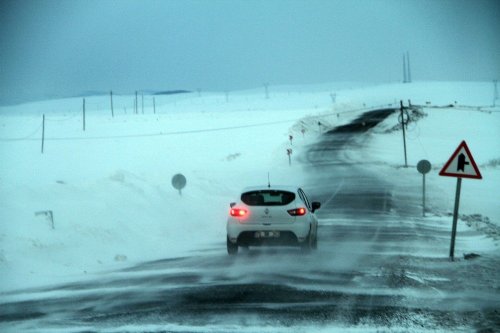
{"points": [[267, 234]]}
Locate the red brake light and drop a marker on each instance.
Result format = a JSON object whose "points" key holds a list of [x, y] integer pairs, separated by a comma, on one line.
{"points": [[297, 212], [238, 212]]}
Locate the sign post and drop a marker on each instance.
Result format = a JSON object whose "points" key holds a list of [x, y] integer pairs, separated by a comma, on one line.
{"points": [[460, 165], [423, 167], [455, 219]]}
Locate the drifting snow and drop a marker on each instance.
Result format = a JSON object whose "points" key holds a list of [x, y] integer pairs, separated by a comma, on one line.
{"points": [[109, 190]]}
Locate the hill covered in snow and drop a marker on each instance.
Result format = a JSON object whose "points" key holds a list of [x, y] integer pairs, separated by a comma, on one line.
{"points": [[101, 198]]}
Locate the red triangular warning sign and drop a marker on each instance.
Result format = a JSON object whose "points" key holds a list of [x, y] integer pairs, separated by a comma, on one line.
{"points": [[461, 164]]}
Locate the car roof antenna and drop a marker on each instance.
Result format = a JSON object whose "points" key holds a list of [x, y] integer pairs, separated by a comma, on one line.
{"points": [[268, 181]]}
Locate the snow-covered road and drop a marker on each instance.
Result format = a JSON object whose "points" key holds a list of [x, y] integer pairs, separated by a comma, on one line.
{"points": [[380, 266]]}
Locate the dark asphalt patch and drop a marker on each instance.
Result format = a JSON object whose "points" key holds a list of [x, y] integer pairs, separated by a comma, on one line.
{"points": [[363, 123]]}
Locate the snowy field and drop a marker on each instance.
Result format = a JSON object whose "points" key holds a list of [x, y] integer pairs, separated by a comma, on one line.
{"points": [[109, 187]]}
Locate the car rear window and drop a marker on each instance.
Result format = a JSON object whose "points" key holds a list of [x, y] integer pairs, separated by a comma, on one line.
{"points": [[267, 198]]}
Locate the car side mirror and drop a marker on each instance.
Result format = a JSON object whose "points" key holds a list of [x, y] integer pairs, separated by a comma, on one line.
{"points": [[232, 204], [315, 206]]}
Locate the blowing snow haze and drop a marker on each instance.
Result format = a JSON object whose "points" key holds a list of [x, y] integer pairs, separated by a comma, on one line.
{"points": [[55, 48]]}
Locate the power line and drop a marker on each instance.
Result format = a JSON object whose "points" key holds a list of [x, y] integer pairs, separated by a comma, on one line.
{"points": [[124, 136], [24, 138], [206, 130]]}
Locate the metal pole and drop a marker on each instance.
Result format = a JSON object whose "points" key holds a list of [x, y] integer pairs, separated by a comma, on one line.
{"points": [[112, 111], [408, 64], [43, 130], [455, 218], [495, 93], [404, 69], [84, 114], [404, 133], [423, 196], [135, 105]]}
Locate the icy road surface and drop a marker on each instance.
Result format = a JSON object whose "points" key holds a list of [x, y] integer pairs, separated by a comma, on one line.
{"points": [[379, 266]]}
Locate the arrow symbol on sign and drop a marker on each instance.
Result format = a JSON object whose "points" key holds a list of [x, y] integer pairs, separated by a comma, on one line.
{"points": [[461, 162]]}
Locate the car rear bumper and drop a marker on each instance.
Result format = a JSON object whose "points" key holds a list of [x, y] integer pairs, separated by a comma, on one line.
{"points": [[248, 238], [246, 235]]}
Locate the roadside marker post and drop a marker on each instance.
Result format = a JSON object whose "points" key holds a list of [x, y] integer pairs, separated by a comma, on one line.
{"points": [[460, 165], [289, 153]]}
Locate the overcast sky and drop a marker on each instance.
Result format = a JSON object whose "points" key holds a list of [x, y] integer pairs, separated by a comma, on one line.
{"points": [[60, 48]]}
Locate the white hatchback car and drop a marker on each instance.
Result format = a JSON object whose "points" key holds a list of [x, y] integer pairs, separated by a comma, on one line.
{"points": [[272, 215]]}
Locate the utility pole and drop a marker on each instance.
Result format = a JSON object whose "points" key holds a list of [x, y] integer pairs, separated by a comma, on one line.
{"points": [[111, 97], [43, 131], [495, 93], [405, 79], [406, 68], [408, 64], [135, 104], [403, 125], [84, 114]]}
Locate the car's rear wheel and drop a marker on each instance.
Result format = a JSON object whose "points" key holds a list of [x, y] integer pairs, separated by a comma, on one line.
{"points": [[306, 246], [311, 243], [232, 248], [315, 243]]}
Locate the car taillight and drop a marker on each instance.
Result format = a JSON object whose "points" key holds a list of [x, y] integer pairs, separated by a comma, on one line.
{"points": [[238, 212], [297, 212]]}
